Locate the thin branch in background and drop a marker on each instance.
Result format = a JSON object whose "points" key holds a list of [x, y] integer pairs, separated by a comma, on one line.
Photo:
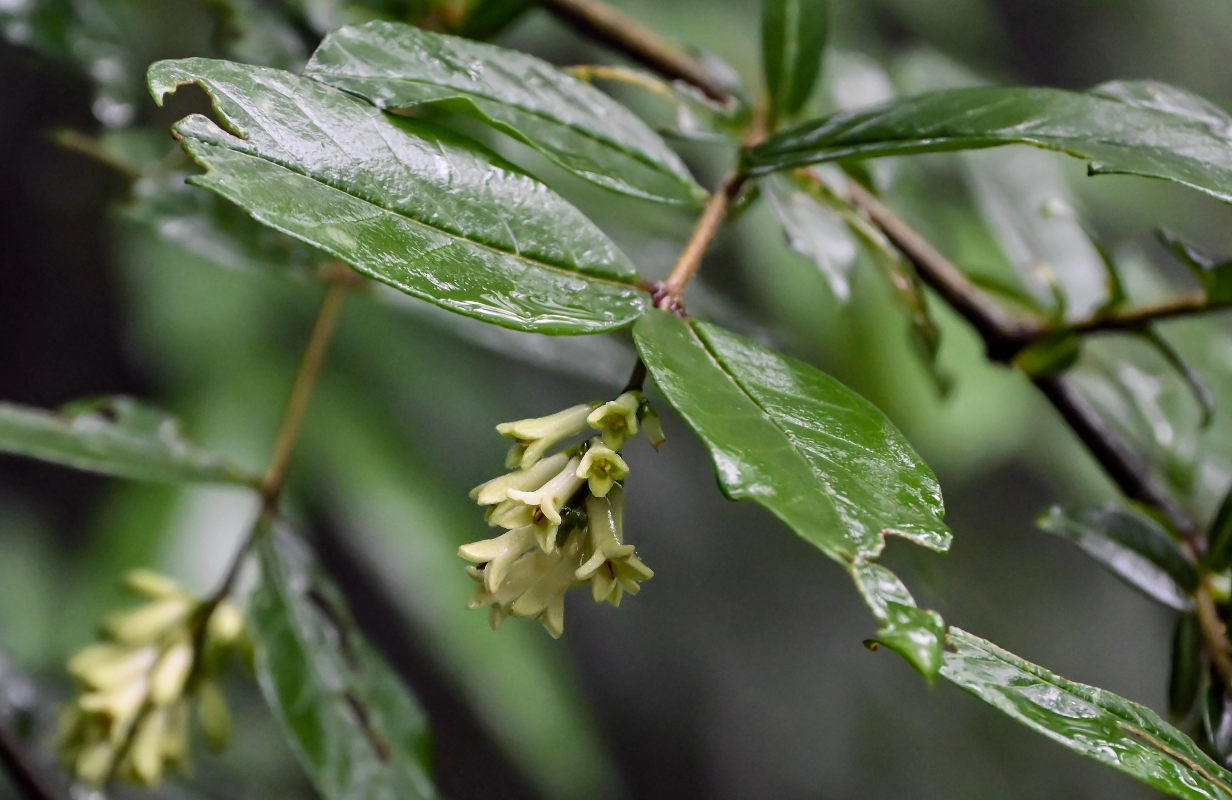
{"points": [[1133, 319], [25, 776], [624, 33]]}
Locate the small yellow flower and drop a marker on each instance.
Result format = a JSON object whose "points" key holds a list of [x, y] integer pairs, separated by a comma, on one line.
{"points": [[610, 565], [534, 587], [616, 420], [534, 437], [497, 490], [131, 719], [548, 500], [601, 467], [496, 555]]}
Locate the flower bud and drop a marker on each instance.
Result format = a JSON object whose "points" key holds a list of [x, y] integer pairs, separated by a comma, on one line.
{"points": [[153, 585], [148, 622], [169, 675], [534, 437], [213, 716]]}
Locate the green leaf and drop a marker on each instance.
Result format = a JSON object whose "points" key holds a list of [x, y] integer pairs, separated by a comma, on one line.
{"points": [[1176, 143], [793, 39], [820, 457], [115, 436], [915, 634], [1133, 546], [1214, 275], [815, 231], [572, 123], [1187, 665], [1217, 719], [357, 731], [1219, 538], [1090, 721], [410, 204]]}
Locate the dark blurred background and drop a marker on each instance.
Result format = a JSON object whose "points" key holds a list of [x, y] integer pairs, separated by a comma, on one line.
{"points": [[739, 671]]}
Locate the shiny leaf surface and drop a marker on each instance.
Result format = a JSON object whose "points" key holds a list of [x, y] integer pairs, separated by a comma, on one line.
{"points": [[115, 436], [412, 205], [1133, 546], [916, 634], [1090, 721], [356, 730], [820, 457], [570, 122], [1171, 141], [793, 39]]}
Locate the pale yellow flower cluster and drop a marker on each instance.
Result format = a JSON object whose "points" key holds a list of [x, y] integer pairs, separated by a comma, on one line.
{"points": [[131, 719], [561, 512]]}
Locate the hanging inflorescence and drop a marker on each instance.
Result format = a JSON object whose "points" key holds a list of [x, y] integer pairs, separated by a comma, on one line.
{"points": [[562, 513], [131, 718]]}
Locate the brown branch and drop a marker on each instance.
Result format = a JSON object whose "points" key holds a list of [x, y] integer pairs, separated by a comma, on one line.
{"points": [[25, 777], [624, 33], [1214, 632], [669, 294], [1135, 318], [1003, 334]]}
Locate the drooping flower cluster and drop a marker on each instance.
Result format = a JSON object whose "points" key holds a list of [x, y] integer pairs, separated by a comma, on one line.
{"points": [[131, 719], [561, 513]]}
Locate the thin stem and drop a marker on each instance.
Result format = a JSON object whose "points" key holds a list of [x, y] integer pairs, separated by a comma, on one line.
{"points": [[1003, 334], [1119, 462], [1136, 318], [301, 390], [669, 295], [25, 777], [624, 33], [341, 279], [1214, 632]]}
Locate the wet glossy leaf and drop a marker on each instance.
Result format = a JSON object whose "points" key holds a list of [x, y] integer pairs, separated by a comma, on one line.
{"points": [[1187, 665], [1172, 142], [1090, 721], [569, 121], [915, 634], [1214, 275], [819, 456], [356, 730], [816, 232], [115, 436], [410, 204], [1133, 546], [793, 39]]}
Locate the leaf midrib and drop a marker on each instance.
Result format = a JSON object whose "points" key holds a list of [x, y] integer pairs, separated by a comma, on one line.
{"points": [[546, 265], [1056, 682]]}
